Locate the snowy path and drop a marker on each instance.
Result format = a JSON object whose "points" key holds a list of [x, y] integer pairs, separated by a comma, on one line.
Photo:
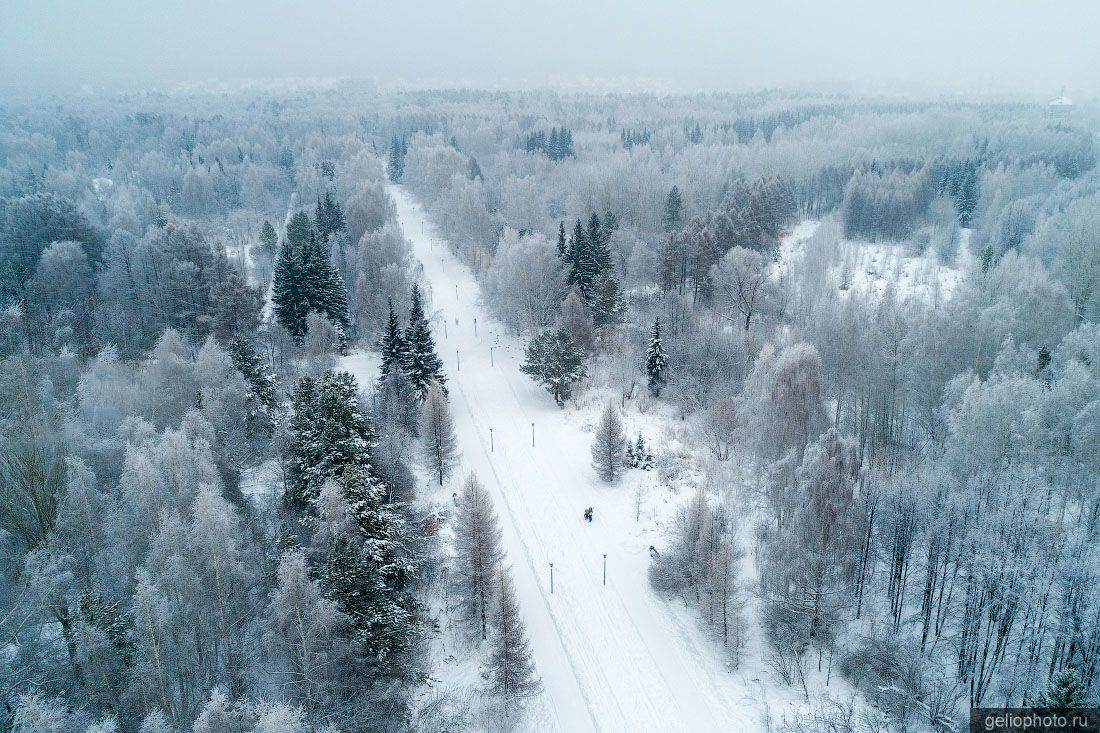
{"points": [[611, 657]]}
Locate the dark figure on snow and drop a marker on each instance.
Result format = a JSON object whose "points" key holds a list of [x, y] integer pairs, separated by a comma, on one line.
{"points": [[588, 514]]}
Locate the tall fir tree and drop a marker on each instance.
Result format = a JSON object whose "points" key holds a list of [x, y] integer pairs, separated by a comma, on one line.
{"points": [[396, 167], [608, 305], [329, 216], [608, 226], [289, 306], [331, 294], [589, 254], [1066, 691], [598, 246], [328, 433], [368, 569], [656, 361], [674, 210], [261, 383], [554, 359], [422, 365], [394, 349], [269, 240], [304, 280], [577, 258], [563, 246]]}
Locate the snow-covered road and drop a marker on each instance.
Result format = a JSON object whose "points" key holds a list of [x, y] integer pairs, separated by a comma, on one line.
{"points": [[612, 657]]}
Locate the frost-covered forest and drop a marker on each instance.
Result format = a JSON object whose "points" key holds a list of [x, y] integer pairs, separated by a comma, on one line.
{"points": [[825, 367]]}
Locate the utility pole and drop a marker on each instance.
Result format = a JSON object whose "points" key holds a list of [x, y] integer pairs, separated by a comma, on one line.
{"points": [[492, 447], [551, 578], [605, 568]]}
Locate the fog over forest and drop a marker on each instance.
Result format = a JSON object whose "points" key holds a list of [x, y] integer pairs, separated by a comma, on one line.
{"points": [[479, 367], [973, 47]]}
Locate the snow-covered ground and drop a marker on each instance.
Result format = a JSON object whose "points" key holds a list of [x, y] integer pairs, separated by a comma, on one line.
{"points": [[868, 268], [611, 657]]}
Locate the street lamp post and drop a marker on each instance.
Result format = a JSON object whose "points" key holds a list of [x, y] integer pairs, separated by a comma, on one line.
{"points": [[492, 446], [551, 578]]}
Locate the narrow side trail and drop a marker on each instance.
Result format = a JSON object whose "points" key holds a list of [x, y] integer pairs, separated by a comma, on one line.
{"points": [[612, 657]]}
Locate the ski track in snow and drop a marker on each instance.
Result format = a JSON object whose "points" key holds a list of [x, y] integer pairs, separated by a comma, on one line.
{"points": [[611, 658]]}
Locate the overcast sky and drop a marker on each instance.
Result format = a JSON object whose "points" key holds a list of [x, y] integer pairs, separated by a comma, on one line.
{"points": [[976, 46]]}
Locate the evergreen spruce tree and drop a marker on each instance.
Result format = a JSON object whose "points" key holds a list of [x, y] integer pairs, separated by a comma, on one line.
{"points": [[578, 259], [261, 383], [598, 247], [396, 167], [609, 446], [298, 230], [512, 670], [566, 141], [395, 351], [608, 226], [478, 544], [967, 198], [656, 361], [437, 433], [473, 170], [563, 247], [335, 214], [1066, 691], [554, 360], [328, 433], [304, 280], [553, 149], [590, 259], [608, 306], [674, 210], [367, 571], [328, 216], [269, 240], [639, 454], [288, 290], [330, 296], [422, 365]]}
